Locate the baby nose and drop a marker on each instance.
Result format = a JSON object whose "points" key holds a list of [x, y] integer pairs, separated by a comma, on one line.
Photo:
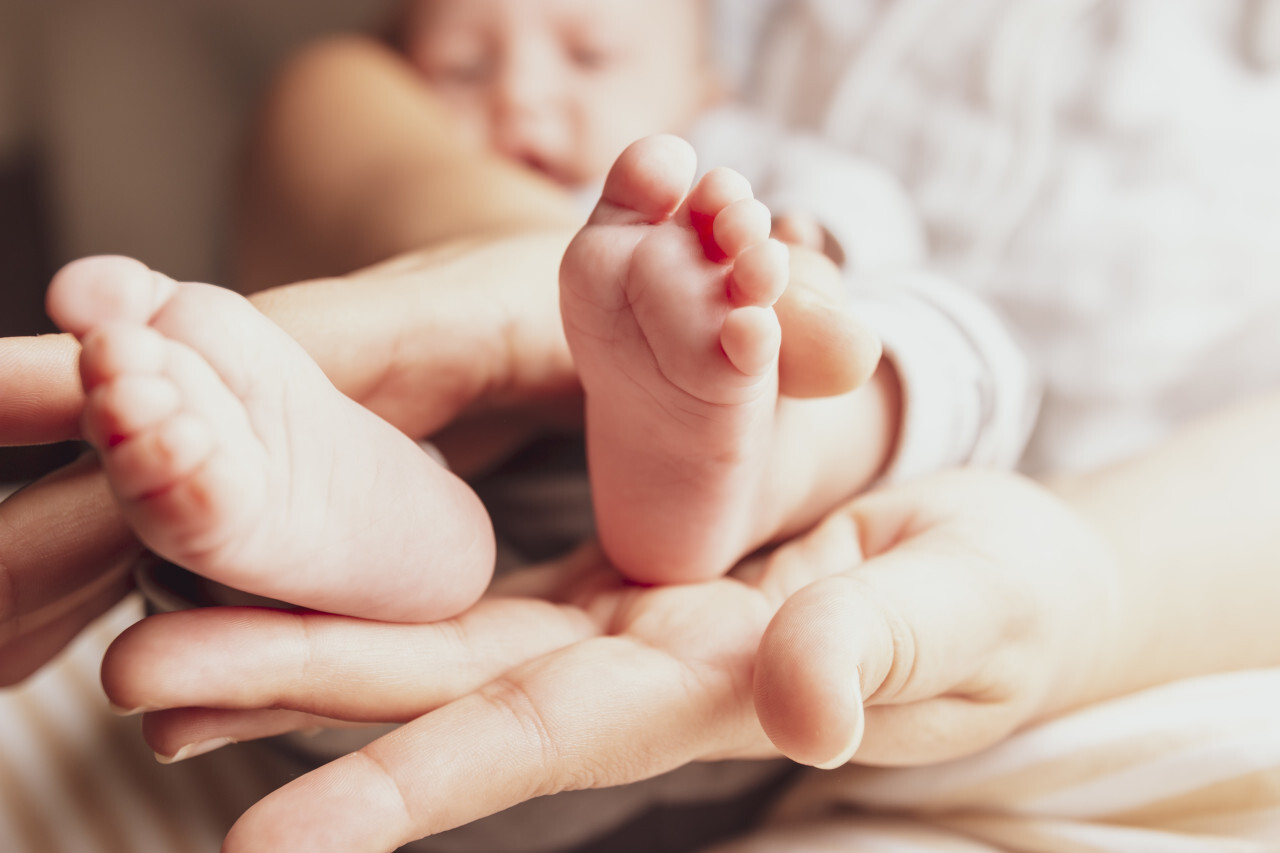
{"points": [[527, 139], [529, 124]]}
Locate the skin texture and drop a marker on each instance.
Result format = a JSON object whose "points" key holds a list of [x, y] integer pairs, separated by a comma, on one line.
{"points": [[667, 297], [466, 333], [310, 210], [824, 354], [952, 607], [675, 672]]}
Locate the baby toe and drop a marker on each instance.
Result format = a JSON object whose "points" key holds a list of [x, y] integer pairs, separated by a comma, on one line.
{"points": [[154, 459], [741, 225], [716, 190], [112, 351], [751, 339], [92, 292], [127, 406], [648, 181], [760, 274]]}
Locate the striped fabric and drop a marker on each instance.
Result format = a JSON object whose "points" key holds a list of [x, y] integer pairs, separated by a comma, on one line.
{"points": [[1192, 767], [74, 778]]}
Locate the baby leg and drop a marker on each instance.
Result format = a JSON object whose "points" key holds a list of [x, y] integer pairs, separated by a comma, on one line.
{"points": [[667, 298], [231, 454]]}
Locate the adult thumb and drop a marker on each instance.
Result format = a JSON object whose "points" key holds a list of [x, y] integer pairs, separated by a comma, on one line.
{"points": [[810, 670]]}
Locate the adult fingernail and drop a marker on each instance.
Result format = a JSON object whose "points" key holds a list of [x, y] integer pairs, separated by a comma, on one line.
{"points": [[855, 737], [191, 750], [121, 711]]}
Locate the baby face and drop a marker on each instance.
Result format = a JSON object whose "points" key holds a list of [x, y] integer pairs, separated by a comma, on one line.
{"points": [[564, 85]]}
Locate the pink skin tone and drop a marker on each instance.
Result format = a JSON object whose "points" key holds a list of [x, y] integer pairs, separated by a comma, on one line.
{"points": [[230, 452], [563, 86], [667, 297], [681, 390]]}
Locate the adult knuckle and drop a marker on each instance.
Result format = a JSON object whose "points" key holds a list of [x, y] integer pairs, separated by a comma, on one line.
{"points": [[398, 798], [537, 735]]}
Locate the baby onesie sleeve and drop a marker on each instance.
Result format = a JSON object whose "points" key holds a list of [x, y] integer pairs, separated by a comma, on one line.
{"points": [[969, 395]]}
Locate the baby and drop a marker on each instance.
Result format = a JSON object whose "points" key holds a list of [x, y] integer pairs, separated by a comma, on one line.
{"points": [[232, 455], [667, 295]]}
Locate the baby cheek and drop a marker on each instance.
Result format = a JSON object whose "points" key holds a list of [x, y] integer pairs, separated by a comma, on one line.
{"points": [[589, 143], [470, 118]]}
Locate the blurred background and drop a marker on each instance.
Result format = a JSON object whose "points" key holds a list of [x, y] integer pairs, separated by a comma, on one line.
{"points": [[120, 127]]}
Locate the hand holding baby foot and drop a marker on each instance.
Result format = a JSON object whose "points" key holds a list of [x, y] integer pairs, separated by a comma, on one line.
{"points": [[230, 453], [915, 599]]}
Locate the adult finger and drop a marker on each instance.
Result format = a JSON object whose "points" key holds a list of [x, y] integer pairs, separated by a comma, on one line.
{"points": [[332, 666], [183, 733], [602, 712], [31, 646], [829, 717], [62, 545], [40, 393], [438, 329], [924, 632]]}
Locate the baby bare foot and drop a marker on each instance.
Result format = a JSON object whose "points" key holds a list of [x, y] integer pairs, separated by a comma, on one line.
{"points": [[231, 454], [667, 297]]}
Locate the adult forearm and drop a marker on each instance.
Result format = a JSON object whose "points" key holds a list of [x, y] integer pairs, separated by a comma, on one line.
{"points": [[421, 338], [1193, 523], [354, 161]]}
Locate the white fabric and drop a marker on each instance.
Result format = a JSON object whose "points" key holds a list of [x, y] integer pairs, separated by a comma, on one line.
{"points": [[969, 396], [74, 778], [1191, 767], [1104, 173], [859, 203]]}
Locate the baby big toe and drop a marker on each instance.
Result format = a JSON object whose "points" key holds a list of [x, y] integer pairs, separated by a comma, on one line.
{"points": [[91, 292], [647, 182]]}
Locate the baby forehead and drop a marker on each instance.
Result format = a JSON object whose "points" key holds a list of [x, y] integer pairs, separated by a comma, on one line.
{"points": [[633, 18]]}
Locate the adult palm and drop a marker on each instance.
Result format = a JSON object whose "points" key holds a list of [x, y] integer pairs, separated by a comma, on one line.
{"points": [[954, 629]]}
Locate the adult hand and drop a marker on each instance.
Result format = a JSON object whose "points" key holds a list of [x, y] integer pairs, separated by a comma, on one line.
{"points": [[63, 547], [962, 622], [466, 332]]}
